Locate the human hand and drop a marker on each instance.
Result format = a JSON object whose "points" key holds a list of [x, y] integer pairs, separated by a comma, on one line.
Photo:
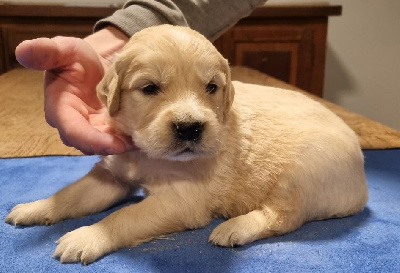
{"points": [[72, 71]]}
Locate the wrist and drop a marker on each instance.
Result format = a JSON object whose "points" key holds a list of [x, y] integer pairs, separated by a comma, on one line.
{"points": [[107, 41]]}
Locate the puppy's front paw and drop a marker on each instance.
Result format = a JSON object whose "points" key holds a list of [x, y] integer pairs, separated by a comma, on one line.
{"points": [[85, 245], [35, 213], [235, 231]]}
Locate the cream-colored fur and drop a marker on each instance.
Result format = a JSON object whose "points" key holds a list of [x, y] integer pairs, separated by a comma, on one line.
{"points": [[268, 161]]}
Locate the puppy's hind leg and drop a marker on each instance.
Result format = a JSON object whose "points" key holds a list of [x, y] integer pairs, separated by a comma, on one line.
{"points": [[93, 193], [255, 225]]}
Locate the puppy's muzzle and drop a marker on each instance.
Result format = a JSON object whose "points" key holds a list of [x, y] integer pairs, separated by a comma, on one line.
{"points": [[188, 131]]}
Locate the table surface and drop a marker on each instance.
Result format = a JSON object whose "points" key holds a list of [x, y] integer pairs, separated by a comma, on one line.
{"points": [[24, 131]]}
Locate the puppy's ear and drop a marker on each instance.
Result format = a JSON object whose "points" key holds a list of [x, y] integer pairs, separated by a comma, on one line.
{"points": [[229, 92], [109, 90]]}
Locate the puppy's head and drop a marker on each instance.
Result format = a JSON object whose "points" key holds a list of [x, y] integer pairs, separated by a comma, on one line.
{"points": [[169, 89]]}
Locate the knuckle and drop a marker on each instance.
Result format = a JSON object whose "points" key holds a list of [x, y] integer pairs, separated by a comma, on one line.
{"points": [[49, 119]]}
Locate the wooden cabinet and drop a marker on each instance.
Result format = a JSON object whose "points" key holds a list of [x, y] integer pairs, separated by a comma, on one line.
{"points": [[285, 41]]}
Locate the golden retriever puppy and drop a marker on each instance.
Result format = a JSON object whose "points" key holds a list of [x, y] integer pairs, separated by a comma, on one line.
{"points": [[267, 161]]}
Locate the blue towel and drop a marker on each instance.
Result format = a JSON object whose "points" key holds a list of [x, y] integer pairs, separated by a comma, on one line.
{"points": [[366, 242]]}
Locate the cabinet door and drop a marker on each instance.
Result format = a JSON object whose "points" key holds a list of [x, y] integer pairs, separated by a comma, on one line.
{"points": [[275, 58], [292, 52]]}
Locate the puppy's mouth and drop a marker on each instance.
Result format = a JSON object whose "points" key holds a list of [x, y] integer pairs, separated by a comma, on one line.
{"points": [[186, 150], [180, 142]]}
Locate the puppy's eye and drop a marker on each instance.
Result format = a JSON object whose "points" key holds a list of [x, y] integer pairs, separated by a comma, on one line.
{"points": [[211, 88], [151, 89]]}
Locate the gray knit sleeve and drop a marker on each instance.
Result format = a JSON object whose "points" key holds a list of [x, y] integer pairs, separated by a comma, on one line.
{"points": [[211, 18]]}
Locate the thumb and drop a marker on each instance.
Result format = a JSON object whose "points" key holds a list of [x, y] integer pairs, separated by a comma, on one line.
{"points": [[45, 53]]}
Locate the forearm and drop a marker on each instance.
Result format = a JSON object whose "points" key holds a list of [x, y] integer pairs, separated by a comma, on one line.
{"points": [[139, 14], [214, 17], [211, 18]]}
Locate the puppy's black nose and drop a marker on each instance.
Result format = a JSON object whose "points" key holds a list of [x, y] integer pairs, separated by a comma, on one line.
{"points": [[189, 131]]}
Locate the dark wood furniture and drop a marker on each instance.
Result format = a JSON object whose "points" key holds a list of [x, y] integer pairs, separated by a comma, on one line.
{"points": [[287, 42], [284, 41]]}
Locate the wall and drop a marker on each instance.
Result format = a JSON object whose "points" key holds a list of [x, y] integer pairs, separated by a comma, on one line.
{"points": [[363, 58]]}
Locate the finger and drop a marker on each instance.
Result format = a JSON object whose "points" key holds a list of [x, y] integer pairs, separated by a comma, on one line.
{"points": [[95, 142], [127, 140], [64, 140], [37, 54], [45, 53], [129, 144], [89, 140]]}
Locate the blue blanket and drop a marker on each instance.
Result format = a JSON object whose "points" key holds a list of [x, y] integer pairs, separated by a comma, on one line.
{"points": [[366, 242]]}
